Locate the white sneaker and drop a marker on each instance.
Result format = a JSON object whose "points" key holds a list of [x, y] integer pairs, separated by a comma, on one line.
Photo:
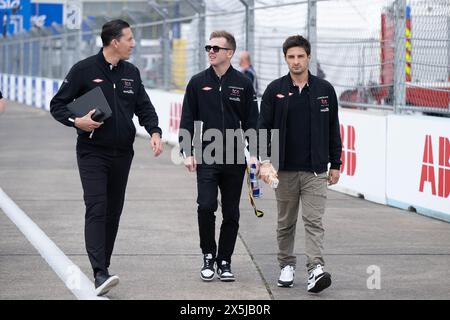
{"points": [[318, 280], [224, 272], [286, 277], [207, 272]]}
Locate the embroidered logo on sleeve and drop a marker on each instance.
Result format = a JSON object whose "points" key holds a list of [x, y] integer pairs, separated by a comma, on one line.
{"points": [[280, 96], [97, 80], [206, 88]]}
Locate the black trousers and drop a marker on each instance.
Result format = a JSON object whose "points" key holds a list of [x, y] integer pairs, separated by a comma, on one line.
{"points": [[104, 176], [227, 178]]}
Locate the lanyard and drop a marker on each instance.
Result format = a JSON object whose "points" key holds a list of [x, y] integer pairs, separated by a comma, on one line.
{"points": [[258, 213]]}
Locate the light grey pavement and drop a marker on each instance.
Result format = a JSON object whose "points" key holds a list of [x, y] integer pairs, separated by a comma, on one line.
{"points": [[157, 254]]}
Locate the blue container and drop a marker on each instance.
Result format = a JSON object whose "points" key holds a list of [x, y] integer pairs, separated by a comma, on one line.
{"points": [[254, 182]]}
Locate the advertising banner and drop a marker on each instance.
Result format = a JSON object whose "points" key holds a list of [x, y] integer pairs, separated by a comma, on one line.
{"points": [[418, 164], [363, 135]]}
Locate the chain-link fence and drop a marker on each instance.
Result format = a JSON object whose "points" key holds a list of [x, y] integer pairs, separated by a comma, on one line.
{"points": [[386, 54]]}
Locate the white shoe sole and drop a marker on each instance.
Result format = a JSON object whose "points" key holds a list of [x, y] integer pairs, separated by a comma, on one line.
{"points": [[207, 279], [225, 279], [285, 285], [107, 285]]}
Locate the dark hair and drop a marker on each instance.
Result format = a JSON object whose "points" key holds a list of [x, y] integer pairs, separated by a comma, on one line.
{"points": [[225, 34], [113, 30], [296, 41]]}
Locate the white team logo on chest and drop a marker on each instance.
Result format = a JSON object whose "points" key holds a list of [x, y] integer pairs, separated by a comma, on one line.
{"points": [[127, 86], [324, 104], [235, 93]]}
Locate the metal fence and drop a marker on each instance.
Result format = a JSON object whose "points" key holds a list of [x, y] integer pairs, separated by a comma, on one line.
{"points": [[384, 54]]}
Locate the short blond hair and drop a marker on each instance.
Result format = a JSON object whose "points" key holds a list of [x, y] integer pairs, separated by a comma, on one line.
{"points": [[224, 34]]}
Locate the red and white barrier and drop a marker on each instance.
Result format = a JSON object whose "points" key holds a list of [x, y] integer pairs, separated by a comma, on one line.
{"points": [[418, 164], [400, 160], [363, 135]]}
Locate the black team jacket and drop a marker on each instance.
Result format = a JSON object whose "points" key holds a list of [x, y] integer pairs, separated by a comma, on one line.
{"points": [[125, 93], [326, 146], [222, 103]]}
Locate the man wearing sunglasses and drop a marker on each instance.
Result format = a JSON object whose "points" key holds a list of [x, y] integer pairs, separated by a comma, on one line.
{"points": [[221, 98]]}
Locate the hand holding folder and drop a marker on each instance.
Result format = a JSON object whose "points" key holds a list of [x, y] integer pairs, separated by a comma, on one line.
{"points": [[94, 105], [93, 99]]}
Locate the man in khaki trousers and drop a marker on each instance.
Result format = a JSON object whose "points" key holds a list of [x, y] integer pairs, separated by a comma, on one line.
{"points": [[304, 109]]}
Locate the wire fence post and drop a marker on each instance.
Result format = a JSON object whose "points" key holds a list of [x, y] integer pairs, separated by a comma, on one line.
{"points": [[165, 41], [249, 25], [399, 53], [312, 34], [200, 9]]}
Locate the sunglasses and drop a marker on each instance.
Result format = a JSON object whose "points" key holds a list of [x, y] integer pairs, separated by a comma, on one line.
{"points": [[215, 48]]}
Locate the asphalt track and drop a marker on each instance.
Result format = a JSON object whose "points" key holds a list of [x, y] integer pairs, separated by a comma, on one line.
{"points": [[372, 251]]}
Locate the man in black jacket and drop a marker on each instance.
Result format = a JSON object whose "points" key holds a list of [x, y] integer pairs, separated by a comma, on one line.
{"points": [[304, 109], [104, 155], [223, 100]]}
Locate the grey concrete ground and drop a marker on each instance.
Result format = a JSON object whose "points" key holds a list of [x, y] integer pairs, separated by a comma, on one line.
{"points": [[157, 254]]}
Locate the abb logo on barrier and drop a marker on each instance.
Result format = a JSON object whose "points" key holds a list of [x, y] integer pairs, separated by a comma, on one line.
{"points": [[348, 156], [428, 174], [175, 116]]}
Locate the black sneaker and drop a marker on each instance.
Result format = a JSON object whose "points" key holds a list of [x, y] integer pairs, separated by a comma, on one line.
{"points": [[207, 272], [318, 280], [224, 271], [105, 282]]}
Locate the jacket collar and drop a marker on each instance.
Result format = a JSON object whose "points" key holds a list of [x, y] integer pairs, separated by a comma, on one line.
{"points": [[214, 75], [101, 59], [286, 81], [293, 84]]}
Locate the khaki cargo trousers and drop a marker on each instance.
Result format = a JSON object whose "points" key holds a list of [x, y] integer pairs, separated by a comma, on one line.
{"points": [[297, 187]]}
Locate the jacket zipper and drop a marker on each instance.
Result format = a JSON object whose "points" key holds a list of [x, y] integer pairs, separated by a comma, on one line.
{"points": [[221, 106], [115, 117]]}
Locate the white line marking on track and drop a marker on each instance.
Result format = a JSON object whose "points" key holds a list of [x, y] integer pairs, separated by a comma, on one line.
{"points": [[68, 272]]}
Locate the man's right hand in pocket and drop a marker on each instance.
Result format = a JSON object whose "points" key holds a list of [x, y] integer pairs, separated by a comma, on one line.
{"points": [[86, 123]]}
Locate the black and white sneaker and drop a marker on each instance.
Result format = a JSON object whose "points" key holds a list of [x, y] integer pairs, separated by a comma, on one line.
{"points": [[286, 277], [224, 271], [207, 272], [318, 280], [104, 283]]}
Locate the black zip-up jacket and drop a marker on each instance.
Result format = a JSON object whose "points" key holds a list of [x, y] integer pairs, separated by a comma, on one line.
{"points": [[125, 93], [222, 103], [326, 144]]}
